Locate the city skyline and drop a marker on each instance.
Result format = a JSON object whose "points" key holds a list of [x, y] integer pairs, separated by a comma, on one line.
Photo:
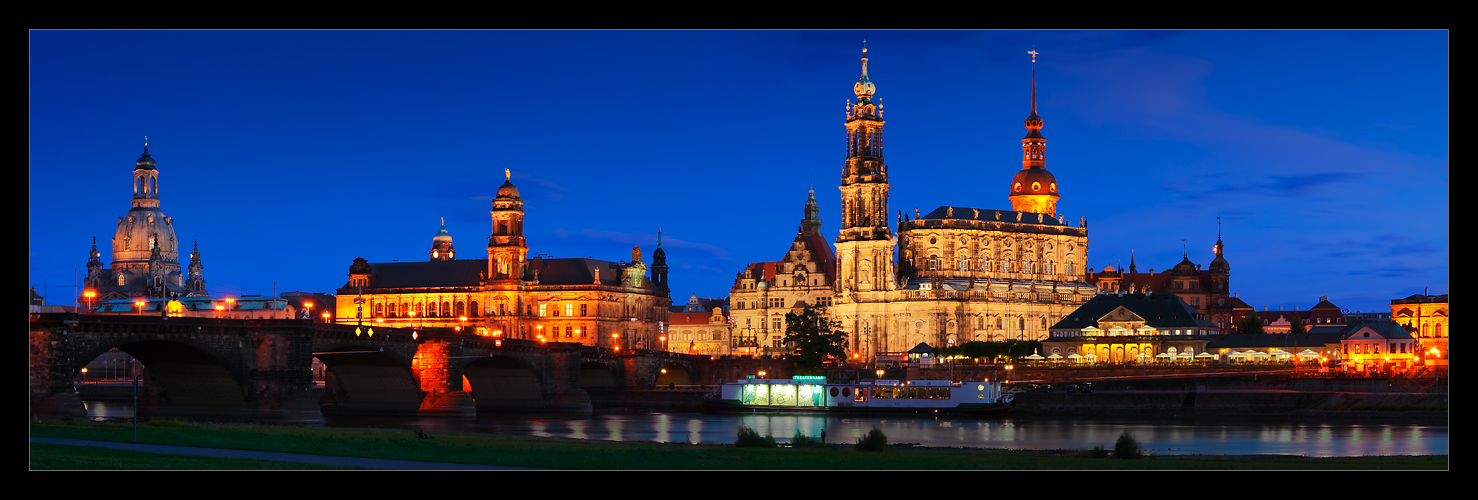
{"points": [[287, 154]]}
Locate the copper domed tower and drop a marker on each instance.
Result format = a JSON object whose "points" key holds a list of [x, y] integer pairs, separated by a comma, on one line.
{"points": [[1034, 189]]}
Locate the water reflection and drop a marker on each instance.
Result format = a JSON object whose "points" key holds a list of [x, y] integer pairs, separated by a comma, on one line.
{"points": [[1202, 436]]}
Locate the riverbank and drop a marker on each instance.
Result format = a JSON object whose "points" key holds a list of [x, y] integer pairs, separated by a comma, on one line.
{"points": [[576, 454]]}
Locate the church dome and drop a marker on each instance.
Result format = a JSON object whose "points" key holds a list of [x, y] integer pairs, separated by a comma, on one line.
{"points": [[145, 162], [1033, 181], [141, 230], [507, 190], [441, 235]]}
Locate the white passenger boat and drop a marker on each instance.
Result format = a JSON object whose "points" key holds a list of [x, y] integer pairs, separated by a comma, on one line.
{"points": [[814, 394]]}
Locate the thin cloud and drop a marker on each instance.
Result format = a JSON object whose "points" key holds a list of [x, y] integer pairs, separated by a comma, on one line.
{"points": [[643, 238]]}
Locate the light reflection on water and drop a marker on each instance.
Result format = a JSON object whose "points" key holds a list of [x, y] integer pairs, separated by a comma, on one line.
{"points": [[1160, 437], [1166, 437]]}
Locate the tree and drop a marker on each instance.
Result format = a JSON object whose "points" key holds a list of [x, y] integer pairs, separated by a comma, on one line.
{"points": [[1296, 324], [1250, 323], [814, 337]]}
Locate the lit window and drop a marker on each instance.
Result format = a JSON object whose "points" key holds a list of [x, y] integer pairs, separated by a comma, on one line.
{"points": [[543, 310], [569, 309]]}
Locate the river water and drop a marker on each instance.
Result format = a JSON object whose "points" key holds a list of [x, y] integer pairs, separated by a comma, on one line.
{"points": [[1334, 437]]}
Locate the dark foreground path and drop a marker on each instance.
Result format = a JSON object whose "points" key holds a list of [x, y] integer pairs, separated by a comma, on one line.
{"points": [[372, 463]]}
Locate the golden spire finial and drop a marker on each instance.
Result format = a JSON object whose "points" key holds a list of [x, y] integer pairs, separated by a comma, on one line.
{"points": [[507, 175], [146, 141], [1034, 53], [443, 222]]}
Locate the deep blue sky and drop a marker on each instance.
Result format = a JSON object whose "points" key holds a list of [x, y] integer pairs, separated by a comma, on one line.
{"points": [[289, 153]]}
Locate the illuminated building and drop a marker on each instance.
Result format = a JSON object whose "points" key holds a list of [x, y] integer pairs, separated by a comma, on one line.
{"points": [[699, 327], [765, 291], [145, 260], [1426, 317], [962, 273], [1379, 346], [1207, 291], [586, 301], [1134, 327], [1323, 315]]}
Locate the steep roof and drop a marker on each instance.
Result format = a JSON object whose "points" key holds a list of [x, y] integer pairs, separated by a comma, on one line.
{"points": [[449, 273], [1159, 310]]}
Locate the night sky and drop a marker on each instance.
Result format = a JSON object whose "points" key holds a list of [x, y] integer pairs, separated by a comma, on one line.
{"points": [[287, 154]]}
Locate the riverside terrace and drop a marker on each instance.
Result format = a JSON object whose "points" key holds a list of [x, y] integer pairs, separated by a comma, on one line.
{"points": [[261, 368]]}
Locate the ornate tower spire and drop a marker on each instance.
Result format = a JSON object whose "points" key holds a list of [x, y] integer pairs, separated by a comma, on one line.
{"points": [[1034, 189], [441, 244], [145, 180], [1220, 264], [812, 221], [659, 263], [195, 284], [864, 175], [507, 249], [864, 240]]}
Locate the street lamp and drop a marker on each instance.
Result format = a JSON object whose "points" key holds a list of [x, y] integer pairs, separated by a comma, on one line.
{"points": [[89, 294], [309, 307], [140, 304], [230, 301], [219, 308], [325, 317]]}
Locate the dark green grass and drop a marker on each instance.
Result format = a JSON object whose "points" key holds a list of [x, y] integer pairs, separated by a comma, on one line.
{"points": [[62, 457], [552, 453]]}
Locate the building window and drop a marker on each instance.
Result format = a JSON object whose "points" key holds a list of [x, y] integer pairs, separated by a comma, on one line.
{"points": [[543, 310], [584, 309], [120, 279], [569, 332], [569, 309]]}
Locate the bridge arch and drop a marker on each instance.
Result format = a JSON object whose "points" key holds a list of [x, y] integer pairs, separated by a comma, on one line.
{"points": [[180, 378], [370, 381], [504, 383]]}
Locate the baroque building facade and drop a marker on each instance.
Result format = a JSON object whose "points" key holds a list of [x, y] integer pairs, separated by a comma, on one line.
{"points": [[145, 260], [961, 273], [587, 301], [764, 292]]}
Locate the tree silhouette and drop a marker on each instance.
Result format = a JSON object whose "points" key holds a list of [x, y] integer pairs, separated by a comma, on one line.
{"points": [[814, 337]]}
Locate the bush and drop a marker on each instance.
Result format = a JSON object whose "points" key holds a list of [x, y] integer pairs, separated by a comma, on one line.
{"points": [[1099, 452], [1127, 447], [750, 438], [873, 441], [804, 441]]}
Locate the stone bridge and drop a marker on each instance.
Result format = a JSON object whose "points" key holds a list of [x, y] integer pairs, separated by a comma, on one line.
{"points": [[263, 369]]}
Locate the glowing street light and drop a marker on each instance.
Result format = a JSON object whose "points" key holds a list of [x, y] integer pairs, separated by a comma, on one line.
{"points": [[325, 317], [89, 294], [309, 307], [219, 308], [140, 304]]}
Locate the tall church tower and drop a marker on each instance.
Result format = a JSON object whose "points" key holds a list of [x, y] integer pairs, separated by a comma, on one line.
{"points": [[1034, 189], [507, 249], [864, 242]]}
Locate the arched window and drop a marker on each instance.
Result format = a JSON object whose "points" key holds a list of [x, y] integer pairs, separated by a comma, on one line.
{"points": [[446, 309], [459, 308], [472, 309]]}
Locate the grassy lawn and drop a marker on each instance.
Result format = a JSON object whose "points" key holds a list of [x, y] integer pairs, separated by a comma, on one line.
{"points": [[555, 453], [61, 457]]}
